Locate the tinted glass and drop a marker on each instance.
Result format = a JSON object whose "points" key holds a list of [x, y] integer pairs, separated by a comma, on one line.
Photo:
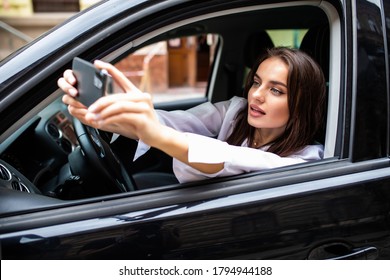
{"points": [[371, 106]]}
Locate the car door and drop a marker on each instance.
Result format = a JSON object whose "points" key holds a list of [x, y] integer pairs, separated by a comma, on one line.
{"points": [[334, 208]]}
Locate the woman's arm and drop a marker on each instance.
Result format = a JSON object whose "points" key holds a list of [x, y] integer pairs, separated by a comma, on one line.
{"points": [[176, 144], [237, 159]]}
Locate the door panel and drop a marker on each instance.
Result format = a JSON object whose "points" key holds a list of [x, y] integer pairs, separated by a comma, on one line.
{"points": [[370, 141], [285, 221]]}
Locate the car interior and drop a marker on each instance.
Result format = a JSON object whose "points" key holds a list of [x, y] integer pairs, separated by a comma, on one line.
{"points": [[42, 160]]}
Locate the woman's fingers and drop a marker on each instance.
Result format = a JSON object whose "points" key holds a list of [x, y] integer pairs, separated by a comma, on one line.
{"points": [[67, 83], [136, 108], [69, 77], [129, 124], [126, 114], [75, 108], [118, 76], [143, 100], [69, 100]]}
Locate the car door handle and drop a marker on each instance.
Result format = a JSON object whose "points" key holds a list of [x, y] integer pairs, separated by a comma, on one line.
{"points": [[343, 251]]}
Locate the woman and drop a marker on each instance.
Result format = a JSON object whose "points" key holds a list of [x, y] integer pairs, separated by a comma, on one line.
{"points": [[273, 126]]}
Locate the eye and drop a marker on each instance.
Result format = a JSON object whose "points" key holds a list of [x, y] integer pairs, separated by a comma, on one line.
{"points": [[276, 91], [255, 83]]}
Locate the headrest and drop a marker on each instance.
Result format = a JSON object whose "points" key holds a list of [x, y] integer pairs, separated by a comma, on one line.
{"points": [[316, 44], [256, 44]]}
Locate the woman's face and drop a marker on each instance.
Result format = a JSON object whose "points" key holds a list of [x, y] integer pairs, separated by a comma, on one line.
{"points": [[267, 98]]}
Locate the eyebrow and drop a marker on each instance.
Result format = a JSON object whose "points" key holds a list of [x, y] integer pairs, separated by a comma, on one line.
{"points": [[272, 82]]}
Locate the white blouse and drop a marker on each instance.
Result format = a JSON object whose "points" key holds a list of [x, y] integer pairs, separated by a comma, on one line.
{"points": [[207, 127]]}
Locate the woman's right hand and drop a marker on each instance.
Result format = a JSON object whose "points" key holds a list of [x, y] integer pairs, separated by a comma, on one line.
{"points": [[67, 83]]}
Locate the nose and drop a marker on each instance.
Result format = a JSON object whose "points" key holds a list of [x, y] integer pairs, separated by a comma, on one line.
{"points": [[260, 94]]}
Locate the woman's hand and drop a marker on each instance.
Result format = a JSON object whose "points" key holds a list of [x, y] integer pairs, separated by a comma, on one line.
{"points": [[131, 115], [67, 84]]}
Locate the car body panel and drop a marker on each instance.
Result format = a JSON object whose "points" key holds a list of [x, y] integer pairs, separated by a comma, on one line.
{"points": [[261, 229], [337, 208]]}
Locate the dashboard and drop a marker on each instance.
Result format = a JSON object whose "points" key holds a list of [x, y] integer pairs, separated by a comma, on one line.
{"points": [[39, 150]]}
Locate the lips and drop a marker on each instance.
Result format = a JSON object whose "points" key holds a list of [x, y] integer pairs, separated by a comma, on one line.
{"points": [[256, 111]]}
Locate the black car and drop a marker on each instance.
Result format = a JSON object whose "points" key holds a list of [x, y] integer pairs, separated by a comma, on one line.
{"points": [[60, 200]]}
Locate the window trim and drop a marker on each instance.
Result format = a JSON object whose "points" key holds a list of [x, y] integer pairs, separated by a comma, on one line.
{"points": [[335, 90]]}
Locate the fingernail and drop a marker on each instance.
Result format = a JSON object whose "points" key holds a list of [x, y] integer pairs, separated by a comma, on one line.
{"points": [[72, 80], [94, 117], [73, 92], [98, 62], [92, 108], [95, 122], [91, 116]]}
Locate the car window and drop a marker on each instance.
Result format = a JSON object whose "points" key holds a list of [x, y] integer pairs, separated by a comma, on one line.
{"points": [[172, 69], [287, 37]]}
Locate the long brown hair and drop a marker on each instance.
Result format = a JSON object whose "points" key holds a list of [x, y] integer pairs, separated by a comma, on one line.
{"points": [[306, 95]]}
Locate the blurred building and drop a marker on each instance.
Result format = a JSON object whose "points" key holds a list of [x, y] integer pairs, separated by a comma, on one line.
{"points": [[23, 20], [180, 63]]}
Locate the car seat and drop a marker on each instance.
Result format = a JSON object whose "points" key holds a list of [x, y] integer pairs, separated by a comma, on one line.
{"points": [[256, 44], [316, 43]]}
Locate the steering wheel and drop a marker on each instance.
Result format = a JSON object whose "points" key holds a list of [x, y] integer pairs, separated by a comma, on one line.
{"points": [[99, 154]]}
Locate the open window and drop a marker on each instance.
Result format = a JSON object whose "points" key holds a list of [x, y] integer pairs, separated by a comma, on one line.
{"points": [[173, 69]]}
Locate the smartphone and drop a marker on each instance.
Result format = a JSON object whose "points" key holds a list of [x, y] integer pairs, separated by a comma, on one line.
{"points": [[92, 83]]}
